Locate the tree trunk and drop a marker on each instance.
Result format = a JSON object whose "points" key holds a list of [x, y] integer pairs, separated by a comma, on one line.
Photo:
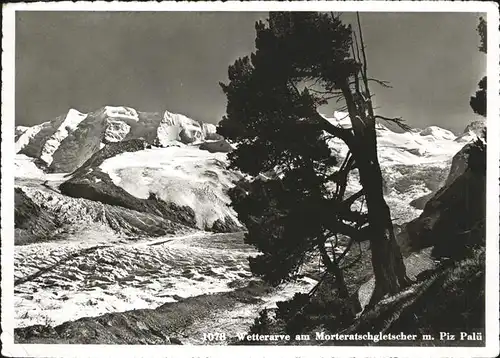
{"points": [[387, 261]]}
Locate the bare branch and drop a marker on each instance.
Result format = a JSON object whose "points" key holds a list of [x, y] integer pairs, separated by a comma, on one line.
{"points": [[346, 116], [358, 54], [315, 288], [329, 97], [339, 227], [353, 53], [397, 120], [352, 263], [297, 92], [380, 82], [344, 174], [316, 82], [365, 70], [362, 43], [350, 200], [320, 92], [324, 124], [316, 119], [355, 217], [335, 17], [347, 248]]}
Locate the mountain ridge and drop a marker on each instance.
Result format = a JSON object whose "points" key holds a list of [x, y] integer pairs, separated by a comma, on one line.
{"points": [[67, 141]]}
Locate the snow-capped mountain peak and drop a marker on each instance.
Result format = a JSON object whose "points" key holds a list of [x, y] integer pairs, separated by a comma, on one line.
{"points": [[437, 133], [415, 147], [66, 142], [69, 125]]}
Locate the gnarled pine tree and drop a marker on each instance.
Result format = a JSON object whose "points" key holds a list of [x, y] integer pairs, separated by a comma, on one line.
{"points": [[303, 60]]}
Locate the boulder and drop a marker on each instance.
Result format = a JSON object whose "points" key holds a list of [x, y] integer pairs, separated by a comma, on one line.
{"points": [[460, 162]]}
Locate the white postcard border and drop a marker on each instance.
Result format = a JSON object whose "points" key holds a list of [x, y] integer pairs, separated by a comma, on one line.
{"points": [[7, 181]]}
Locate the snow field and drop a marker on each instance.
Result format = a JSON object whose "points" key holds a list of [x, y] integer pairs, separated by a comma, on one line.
{"points": [[183, 175]]}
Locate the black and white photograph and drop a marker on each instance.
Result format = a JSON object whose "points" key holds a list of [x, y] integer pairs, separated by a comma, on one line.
{"points": [[232, 177]]}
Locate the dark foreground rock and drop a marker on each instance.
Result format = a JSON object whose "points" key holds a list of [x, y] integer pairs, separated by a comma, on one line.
{"points": [[419, 203], [453, 220], [477, 128], [459, 165], [449, 299]]}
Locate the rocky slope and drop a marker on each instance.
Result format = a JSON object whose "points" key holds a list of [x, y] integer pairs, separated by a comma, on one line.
{"points": [[42, 214], [459, 162], [91, 183], [165, 174], [449, 298], [454, 218], [32, 223]]}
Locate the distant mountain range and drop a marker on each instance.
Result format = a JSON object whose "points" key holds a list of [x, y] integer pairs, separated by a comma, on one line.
{"points": [[166, 162], [67, 141]]}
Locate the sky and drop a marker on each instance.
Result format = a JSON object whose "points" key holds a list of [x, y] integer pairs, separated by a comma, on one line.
{"points": [[156, 61]]}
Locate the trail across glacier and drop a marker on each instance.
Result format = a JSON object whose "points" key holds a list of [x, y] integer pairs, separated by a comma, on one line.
{"points": [[62, 281]]}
